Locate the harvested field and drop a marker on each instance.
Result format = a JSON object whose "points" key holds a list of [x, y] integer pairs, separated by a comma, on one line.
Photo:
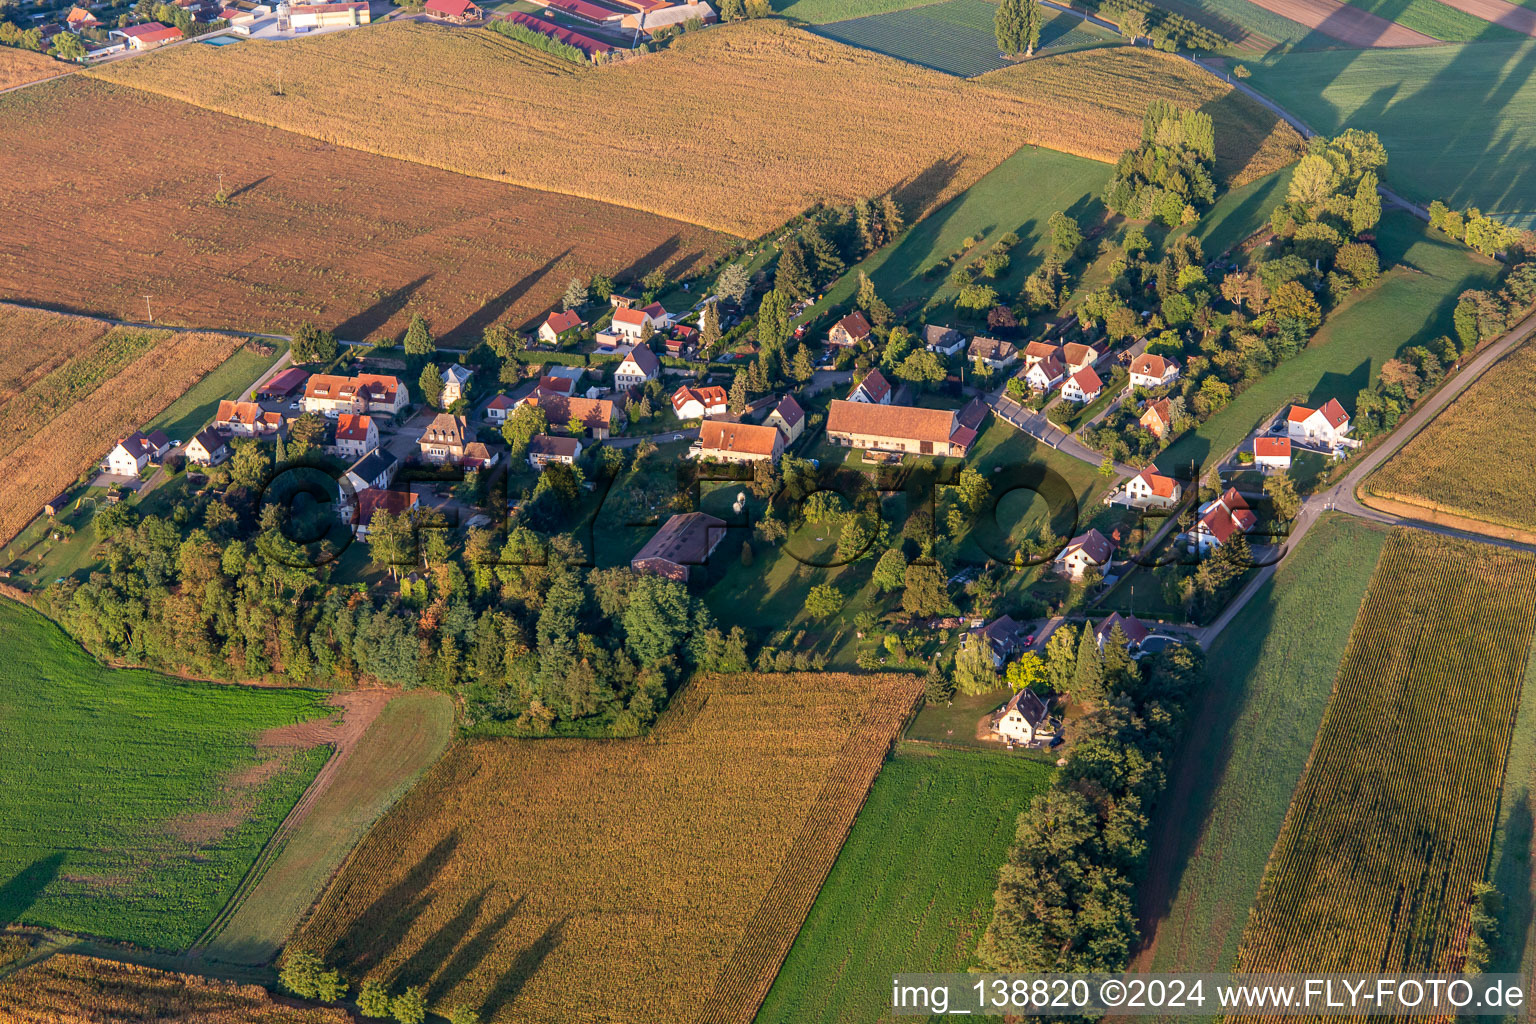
{"points": [[1347, 24], [1499, 12], [18, 67], [686, 860], [72, 989], [1109, 90], [311, 231], [75, 438], [1470, 460], [1391, 823]]}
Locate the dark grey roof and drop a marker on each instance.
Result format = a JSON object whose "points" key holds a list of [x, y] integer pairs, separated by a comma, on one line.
{"points": [[371, 465]]}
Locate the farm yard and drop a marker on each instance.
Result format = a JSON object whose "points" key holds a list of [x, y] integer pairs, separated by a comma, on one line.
{"points": [[307, 231], [687, 859], [136, 801], [936, 825], [66, 419], [1391, 824]]}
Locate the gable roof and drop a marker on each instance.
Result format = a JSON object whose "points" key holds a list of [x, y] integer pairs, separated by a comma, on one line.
{"points": [[991, 348], [1050, 366], [452, 8], [1272, 447], [372, 465], [1162, 486], [1087, 381], [151, 32], [209, 440], [562, 322], [656, 311], [1029, 706], [855, 324], [1148, 365], [1162, 409], [393, 502], [741, 438], [457, 373], [874, 385], [710, 397], [631, 316], [1332, 411], [560, 408], [352, 427], [789, 410], [1041, 350], [1135, 630], [1093, 544], [933, 334], [563, 447], [501, 402], [890, 421], [685, 539], [585, 43], [1076, 353], [1227, 515], [644, 359]]}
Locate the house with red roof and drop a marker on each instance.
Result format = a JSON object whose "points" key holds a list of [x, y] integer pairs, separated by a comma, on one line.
{"points": [[459, 11], [148, 36], [697, 403], [874, 389], [80, 18], [849, 332], [631, 323], [356, 435], [723, 441], [1083, 386], [499, 408], [557, 324], [1157, 417], [1272, 452], [1149, 489], [1323, 426], [371, 502], [1149, 371], [1221, 520]]}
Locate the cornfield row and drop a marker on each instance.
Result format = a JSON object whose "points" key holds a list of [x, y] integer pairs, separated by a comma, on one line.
{"points": [[1471, 459], [71, 989], [617, 880], [1390, 826], [75, 439]]}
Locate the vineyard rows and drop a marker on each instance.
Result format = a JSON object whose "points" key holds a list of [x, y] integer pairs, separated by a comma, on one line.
{"points": [[1390, 826]]}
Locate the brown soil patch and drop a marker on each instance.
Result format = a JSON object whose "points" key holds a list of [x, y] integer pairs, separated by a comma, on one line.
{"points": [[357, 710], [1499, 12], [1347, 24], [310, 231]]}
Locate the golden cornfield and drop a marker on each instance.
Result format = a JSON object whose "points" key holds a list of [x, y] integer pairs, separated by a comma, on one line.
{"points": [[738, 128], [18, 67], [1473, 458], [77, 437], [1390, 826], [73, 989], [655, 879], [35, 342]]}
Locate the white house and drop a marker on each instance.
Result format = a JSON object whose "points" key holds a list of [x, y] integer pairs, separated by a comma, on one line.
{"points": [[788, 417], [1149, 371], [996, 354], [557, 324], [639, 366], [1272, 453], [874, 389], [1221, 519], [136, 451], [1038, 350], [1044, 374], [1083, 386], [945, 341], [207, 449], [499, 408], [246, 419], [1079, 357], [1134, 629], [697, 403], [1151, 490], [1026, 720], [1091, 550], [631, 323], [1327, 425], [544, 449], [355, 436], [455, 382], [373, 471]]}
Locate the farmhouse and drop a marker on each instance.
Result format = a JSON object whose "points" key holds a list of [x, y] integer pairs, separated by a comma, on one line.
{"points": [[246, 419], [873, 389], [1078, 357], [1134, 629], [544, 449], [594, 414], [458, 11], [658, 16], [444, 439], [557, 324], [147, 37], [207, 449], [902, 428], [455, 380], [375, 393], [946, 341], [789, 418], [136, 451], [849, 332], [683, 541], [1045, 374], [996, 354], [695, 403], [1272, 452], [1083, 386], [1003, 635], [1326, 425], [1025, 720], [283, 385], [79, 19], [499, 408], [1157, 417], [355, 436], [588, 12], [1149, 371], [722, 441], [1091, 550], [1152, 490], [638, 367], [1221, 519], [373, 502], [373, 471]]}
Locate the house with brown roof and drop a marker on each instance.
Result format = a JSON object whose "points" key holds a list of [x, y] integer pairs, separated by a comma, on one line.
{"points": [[999, 355], [246, 419], [1150, 371], [1045, 374], [375, 393], [1134, 629], [208, 448], [903, 428], [697, 403], [849, 332], [788, 418], [557, 324], [1221, 519], [723, 441], [1157, 418], [596, 414], [1025, 720], [1090, 550], [944, 341], [356, 436], [1272, 453], [372, 502], [1077, 357], [1083, 386], [444, 439], [545, 448], [1035, 351], [874, 389], [499, 408], [638, 366], [1149, 489], [682, 542], [1327, 425], [1003, 635]]}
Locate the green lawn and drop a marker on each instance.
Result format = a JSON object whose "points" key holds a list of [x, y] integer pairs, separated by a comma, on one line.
{"points": [[1410, 305], [1271, 672], [135, 802], [1459, 122], [1241, 212], [820, 12], [912, 888], [230, 379], [1435, 19], [1509, 864]]}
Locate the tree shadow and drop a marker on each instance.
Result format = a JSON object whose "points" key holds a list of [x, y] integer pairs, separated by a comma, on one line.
{"points": [[662, 256], [361, 325], [420, 965], [379, 929], [914, 195], [19, 894], [472, 953], [471, 327], [523, 968], [249, 186], [1512, 876]]}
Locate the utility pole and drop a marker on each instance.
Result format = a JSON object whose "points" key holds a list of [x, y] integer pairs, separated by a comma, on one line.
{"points": [[147, 311]]}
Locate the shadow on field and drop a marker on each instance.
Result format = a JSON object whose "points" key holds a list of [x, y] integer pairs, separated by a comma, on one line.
{"points": [[472, 953], [523, 968], [661, 256], [248, 186], [470, 329], [1512, 877], [915, 195], [377, 315], [379, 929], [18, 895]]}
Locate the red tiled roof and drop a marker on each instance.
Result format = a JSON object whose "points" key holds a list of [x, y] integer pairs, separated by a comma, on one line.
{"points": [[1162, 409], [450, 8], [557, 385], [586, 44], [562, 322], [874, 384], [897, 422], [352, 427], [582, 9], [392, 502], [631, 316], [644, 359], [152, 33], [1162, 486], [855, 324], [741, 438], [712, 397], [1087, 381], [656, 311], [1272, 446], [501, 402], [1334, 413], [1148, 365], [1041, 350]]}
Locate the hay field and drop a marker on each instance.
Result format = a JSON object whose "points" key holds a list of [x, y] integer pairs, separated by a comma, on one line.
{"points": [[656, 879], [310, 231], [74, 989], [741, 127], [1107, 91], [76, 437], [1390, 826], [1471, 459], [18, 67]]}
